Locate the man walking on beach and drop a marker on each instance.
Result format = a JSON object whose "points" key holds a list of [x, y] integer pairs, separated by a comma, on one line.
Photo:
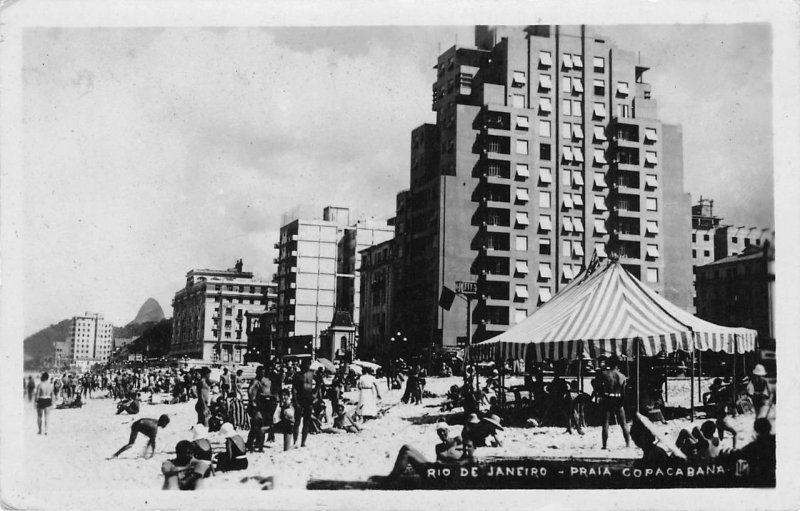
{"points": [[303, 390], [610, 386]]}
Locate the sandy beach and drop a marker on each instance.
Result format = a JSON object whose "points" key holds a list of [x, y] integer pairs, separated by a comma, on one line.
{"points": [[74, 453]]}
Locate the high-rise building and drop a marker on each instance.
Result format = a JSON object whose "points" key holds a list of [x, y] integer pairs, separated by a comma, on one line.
{"points": [[317, 262], [377, 272], [208, 319], [89, 342], [547, 149]]}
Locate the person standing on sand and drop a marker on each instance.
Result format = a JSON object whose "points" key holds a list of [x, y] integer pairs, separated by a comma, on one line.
{"points": [[31, 388], [225, 382], [45, 395], [303, 393], [368, 395], [610, 387], [203, 397], [147, 427]]}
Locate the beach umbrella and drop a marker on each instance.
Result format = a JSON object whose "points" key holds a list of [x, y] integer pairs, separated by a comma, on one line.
{"points": [[327, 364], [363, 363], [315, 364], [356, 369]]}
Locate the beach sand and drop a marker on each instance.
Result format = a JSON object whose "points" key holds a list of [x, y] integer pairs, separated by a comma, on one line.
{"points": [[73, 454]]}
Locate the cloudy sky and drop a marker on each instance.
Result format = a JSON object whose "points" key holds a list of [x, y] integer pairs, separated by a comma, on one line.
{"points": [[149, 152]]}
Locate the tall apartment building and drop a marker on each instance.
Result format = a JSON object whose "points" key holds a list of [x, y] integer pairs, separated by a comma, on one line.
{"points": [[377, 273], [317, 262], [208, 319], [547, 148], [90, 341]]}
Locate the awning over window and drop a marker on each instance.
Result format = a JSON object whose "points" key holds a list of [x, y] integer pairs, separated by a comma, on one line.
{"points": [[600, 248], [600, 204], [544, 294], [544, 271], [566, 61], [577, 85], [599, 134], [522, 219], [600, 180], [652, 251], [522, 122], [622, 89], [566, 271], [651, 158], [577, 200], [566, 153], [652, 227], [600, 156], [577, 154], [522, 195], [577, 178], [545, 82], [600, 226], [567, 223], [521, 292], [518, 79], [545, 176], [599, 83], [651, 181], [544, 105], [545, 59], [599, 110], [577, 132], [566, 200], [545, 223], [577, 248], [577, 61], [577, 223], [521, 267], [650, 135]]}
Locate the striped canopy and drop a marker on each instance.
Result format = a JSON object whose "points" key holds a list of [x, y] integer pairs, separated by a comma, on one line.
{"points": [[606, 312]]}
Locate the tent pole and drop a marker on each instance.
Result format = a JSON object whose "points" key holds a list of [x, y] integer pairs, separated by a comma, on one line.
{"points": [[580, 365], [691, 390], [735, 393], [638, 374], [666, 382], [699, 377]]}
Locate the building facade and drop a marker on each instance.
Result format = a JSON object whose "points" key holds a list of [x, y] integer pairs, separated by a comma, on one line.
{"points": [[377, 288], [547, 149], [208, 319], [90, 341], [317, 262]]}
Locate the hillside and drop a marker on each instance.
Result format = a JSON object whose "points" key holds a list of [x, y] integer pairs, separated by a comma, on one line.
{"points": [[149, 312], [41, 345]]}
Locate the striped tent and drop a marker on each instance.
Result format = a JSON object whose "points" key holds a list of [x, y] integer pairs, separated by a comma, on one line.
{"points": [[607, 312]]}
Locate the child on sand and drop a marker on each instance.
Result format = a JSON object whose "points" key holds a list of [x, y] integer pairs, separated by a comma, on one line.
{"points": [[147, 427]]}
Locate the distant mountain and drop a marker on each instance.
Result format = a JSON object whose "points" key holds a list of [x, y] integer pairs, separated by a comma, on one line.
{"points": [[41, 345], [149, 312]]}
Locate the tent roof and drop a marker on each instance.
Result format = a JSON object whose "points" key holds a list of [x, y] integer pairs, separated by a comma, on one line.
{"points": [[604, 312]]}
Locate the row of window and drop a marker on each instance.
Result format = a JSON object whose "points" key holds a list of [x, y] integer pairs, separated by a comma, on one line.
{"points": [[571, 61]]}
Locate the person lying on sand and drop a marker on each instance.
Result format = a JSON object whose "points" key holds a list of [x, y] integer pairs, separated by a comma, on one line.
{"points": [[409, 456], [185, 472], [147, 427]]}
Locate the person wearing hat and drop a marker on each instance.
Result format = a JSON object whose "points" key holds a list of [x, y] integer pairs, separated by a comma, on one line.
{"points": [[759, 391], [480, 430], [185, 471], [451, 449], [235, 455], [201, 444]]}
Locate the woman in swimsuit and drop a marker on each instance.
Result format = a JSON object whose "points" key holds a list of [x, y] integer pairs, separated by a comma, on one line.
{"points": [[45, 394], [234, 457]]}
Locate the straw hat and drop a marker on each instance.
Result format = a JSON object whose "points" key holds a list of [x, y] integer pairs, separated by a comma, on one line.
{"points": [[199, 431], [226, 430], [759, 370], [473, 418], [495, 420], [442, 426]]}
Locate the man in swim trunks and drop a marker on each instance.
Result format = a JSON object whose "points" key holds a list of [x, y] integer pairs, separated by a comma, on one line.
{"points": [[45, 396], [147, 427], [610, 387]]}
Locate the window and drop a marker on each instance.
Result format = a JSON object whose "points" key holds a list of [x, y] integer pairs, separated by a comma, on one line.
{"points": [[577, 178], [566, 201], [651, 204], [520, 315], [577, 224], [522, 123], [544, 128], [622, 89], [577, 132], [544, 246], [651, 181], [623, 111], [577, 62], [545, 59], [599, 64], [652, 227], [566, 247], [521, 267], [577, 200], [566, 154], [600, 181], [577, 154], [545, 176], [544, 271], [566, 130], [600, 226], [522, 218], [545, 106], [599, 134], [734, 239], [566, 61], [747, 242], [577, 249], [707, 253], [545, 224], [544, 199], [600, 249], [566, 177], [522, 170], [545, 82], [544, 151], [650, 158], [544, 294], [522, 147], [599, 87], [600, 204], [599, 111], [600, 157], [652, 251], [566, 84], [577, 85], [566, 272], [518, 101], [705, 237], [521, 292], [521, 243], [518, 79], [652, 275], [522, 195], [577, 110], [566, 106], [694, 254], [650, 135]]}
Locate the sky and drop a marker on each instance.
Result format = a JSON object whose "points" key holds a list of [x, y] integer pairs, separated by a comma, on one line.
{"points": [[150, 152]]}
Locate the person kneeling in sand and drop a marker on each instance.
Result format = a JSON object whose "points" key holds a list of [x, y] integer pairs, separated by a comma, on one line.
{"points": [[147, 427], [185, 472]]}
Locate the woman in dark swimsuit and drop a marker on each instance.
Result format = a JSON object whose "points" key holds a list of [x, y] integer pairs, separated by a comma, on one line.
{"points": [[234, 457], [45, 395]]}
